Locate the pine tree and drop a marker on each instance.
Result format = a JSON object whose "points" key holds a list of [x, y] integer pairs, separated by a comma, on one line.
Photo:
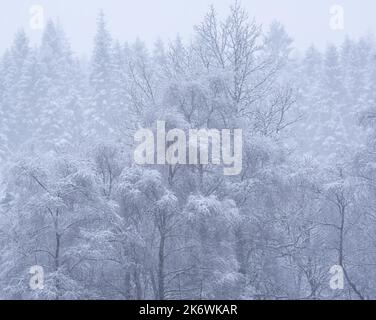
{"points": [[56, 88], [101, 76]]}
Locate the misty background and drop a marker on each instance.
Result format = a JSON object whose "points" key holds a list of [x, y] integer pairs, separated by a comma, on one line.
{"points": [[80, 220], [306, 22]]}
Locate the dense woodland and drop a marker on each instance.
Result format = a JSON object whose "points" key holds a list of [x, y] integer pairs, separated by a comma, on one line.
{"points": [[73, 201]]}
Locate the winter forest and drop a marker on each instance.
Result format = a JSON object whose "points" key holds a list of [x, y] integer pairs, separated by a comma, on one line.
{"points": [[73, 201]]}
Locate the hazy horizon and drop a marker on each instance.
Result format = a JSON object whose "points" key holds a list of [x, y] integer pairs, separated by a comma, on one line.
{"points": [[306, 23]]}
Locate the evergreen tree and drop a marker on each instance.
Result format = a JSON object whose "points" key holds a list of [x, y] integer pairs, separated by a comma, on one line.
{"points": [[101, 76]]}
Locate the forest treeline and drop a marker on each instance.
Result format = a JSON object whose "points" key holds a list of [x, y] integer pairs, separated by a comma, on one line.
{"points": [[73, 201]]}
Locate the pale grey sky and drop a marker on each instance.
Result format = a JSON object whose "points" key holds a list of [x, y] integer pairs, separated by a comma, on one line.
{"points": [[307, 21]]}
